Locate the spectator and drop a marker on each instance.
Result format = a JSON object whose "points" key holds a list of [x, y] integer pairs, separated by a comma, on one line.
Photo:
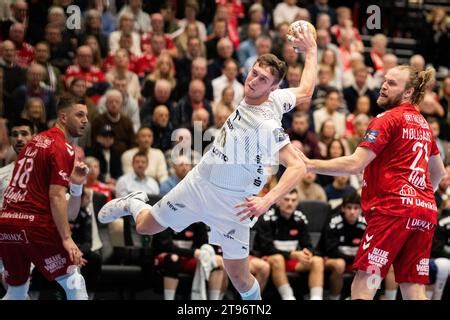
{"points": [[119, 122], [141, 18], [180, 166], [230, 72], [25, 51], [93, 182], [309, 190], [156, 168], [285, 11], [33, 87], [52, 74], [103, 150], [374, 58], [126, 25], [330, 111], [300, 130], [137, 180], [161, 126], [34, 111]]}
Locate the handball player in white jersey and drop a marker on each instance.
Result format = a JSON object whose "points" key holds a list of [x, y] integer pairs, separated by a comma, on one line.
{"points": [[220, 190]]}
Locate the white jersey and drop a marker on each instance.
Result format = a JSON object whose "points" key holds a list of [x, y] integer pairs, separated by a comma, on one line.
{"points": [[248, 142], [5, 177]]}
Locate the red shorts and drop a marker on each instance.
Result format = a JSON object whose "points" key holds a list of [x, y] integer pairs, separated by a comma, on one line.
{"points": [[187, 265], [289, 264], [403, 242], [41, 246]]}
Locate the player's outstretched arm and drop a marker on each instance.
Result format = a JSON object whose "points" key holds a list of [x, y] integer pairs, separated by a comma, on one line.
{"points": [[437, 170], [305, 41], [353, 164], [295, 169]]}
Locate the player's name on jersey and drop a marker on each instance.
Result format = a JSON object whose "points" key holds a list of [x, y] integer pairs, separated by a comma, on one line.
{"points": [[416, 134]]}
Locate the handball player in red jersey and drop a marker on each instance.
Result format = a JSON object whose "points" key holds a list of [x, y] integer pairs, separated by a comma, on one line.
{"points": [[402, 168], [34, 220]]}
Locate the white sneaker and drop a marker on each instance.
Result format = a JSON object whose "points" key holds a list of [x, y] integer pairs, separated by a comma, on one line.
{"points": [[120, 207]]}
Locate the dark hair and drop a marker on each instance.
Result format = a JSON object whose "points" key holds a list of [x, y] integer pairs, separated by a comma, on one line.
{"points": [[353, 198], [331, 90], [20, 122], [277, 66], [140, 154], [293, 191], [67, 101]]}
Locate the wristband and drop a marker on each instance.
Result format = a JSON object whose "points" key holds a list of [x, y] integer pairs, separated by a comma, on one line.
{"points": [[76, 189]]}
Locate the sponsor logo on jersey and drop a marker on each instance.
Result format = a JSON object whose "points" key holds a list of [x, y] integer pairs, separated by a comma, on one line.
{"points": [[423, 267], [407, 191], [42, 141], [257, 182], [63, 175], [279, 134], [417, 119], [371, 135], [293, 232], [287, 106], [189, 234], [219, 154]]}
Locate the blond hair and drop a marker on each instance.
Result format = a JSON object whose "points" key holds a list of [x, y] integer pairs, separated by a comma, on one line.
{"points": [[418, 80]]}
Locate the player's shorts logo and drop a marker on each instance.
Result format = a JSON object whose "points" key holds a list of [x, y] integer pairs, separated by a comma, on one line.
{"points": [[407, 191], [175, 206]]}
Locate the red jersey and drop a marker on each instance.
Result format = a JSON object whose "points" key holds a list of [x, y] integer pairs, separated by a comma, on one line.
{"points": [[397, 181], [91, 76], [25, 55], [47, 159]]}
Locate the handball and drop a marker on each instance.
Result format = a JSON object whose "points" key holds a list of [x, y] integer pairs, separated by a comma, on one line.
{"points": [[299, 24]]}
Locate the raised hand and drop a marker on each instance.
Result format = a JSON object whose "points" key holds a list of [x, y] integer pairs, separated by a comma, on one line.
{"points": [[79, 173]]}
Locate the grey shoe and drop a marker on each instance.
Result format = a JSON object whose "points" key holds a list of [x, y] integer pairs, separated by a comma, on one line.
{"points": [[120, 207]]}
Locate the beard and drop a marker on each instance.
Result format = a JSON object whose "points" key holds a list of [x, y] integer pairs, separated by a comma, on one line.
{"points": [[389, 103]]}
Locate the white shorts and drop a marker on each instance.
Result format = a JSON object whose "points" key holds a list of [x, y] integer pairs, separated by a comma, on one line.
{"points": [[195, 199]]}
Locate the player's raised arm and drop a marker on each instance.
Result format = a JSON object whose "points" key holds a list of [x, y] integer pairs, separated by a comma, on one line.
{"points": [[303, 40]]}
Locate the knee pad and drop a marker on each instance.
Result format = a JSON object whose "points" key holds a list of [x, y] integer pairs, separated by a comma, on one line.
{"points": [[433, 270], [171, 268], [73, 284], [443, 267]]}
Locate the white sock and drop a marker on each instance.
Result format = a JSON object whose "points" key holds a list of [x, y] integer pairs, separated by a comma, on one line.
{"points": [[254, 293], [74, 285], [286, 292], [214, 294], [316, 293], [17, 292], [136, 207], [390, 294], [169, 294], [429, 294], [443, 270], [334, 297], [221, 295]]}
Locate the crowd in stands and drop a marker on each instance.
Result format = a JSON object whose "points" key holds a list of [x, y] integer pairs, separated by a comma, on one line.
{"points": [[160, 78]]}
